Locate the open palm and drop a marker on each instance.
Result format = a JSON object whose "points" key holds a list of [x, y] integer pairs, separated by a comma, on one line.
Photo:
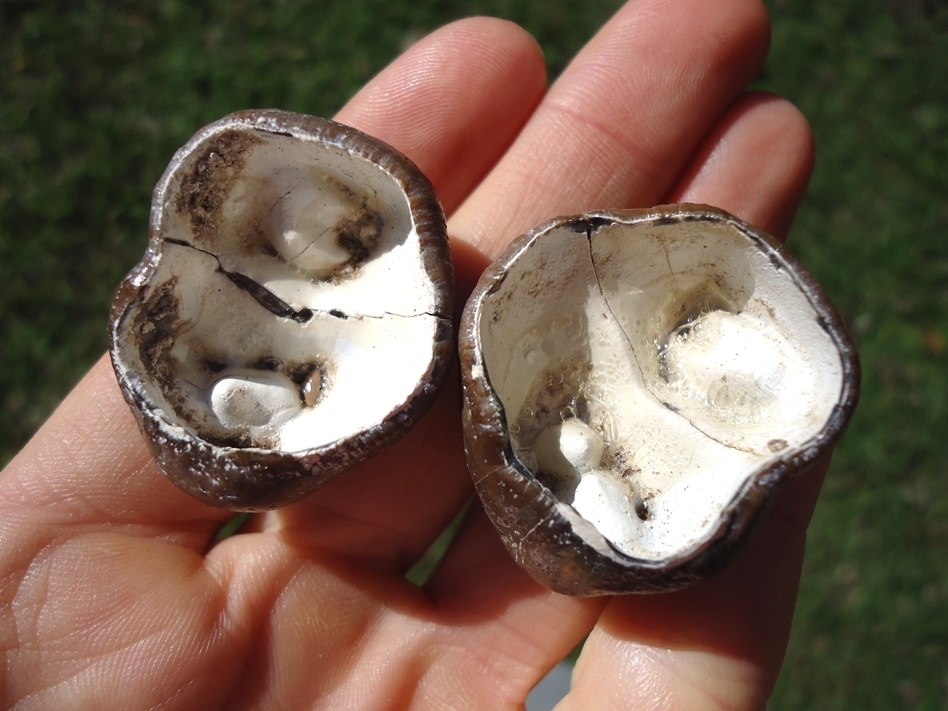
{"points": [[114, 591]]}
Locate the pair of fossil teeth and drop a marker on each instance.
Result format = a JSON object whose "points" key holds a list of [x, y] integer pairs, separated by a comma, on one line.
{"points": [[637, 384]]}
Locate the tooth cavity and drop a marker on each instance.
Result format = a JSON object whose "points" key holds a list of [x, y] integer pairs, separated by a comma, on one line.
{"points": [[729, 362], [573, 451], [309, 242], [568, 449], [258, 402]]}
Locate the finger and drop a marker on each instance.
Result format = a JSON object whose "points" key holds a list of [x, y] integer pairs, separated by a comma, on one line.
{"points": [[495, 617], [719, 167], [675, 91], [462, 95], [454, 101], [722, 641], [755, 162], [90, 464], [617, 127], [726, 169], [771, 139]]}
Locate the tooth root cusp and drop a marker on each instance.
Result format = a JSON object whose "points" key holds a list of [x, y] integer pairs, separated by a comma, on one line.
{"points": [[568, 449], [258, 400], [730, 362], [572, 451]]}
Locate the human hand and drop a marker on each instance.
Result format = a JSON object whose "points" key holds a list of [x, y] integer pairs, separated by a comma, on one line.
{"points": [[114, 591]]}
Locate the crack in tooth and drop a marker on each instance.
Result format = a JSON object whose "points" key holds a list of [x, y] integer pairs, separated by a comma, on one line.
{"points": [[277, 306], [589, 232], [261, 294]]}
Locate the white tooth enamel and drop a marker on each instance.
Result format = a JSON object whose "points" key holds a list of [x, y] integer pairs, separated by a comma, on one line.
{"points": [[569, 448], [573, 450], [255, 399], [308, 241]]}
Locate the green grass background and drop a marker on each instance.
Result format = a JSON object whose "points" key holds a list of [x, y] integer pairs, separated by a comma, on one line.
{"points": [[96, 96]]}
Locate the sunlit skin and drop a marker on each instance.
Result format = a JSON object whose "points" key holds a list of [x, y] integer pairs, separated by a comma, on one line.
{"points": [[114, 594]]}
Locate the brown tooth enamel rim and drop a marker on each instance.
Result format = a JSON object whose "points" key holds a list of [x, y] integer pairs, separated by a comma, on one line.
{"points": [[637, 387], [292, 313]]}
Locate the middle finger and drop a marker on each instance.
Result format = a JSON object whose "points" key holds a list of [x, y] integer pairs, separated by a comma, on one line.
{"points": [[622, 120]]}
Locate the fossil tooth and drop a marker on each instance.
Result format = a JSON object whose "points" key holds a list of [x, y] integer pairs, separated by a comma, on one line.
{"points": [[292, 313], [637, 387]]}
